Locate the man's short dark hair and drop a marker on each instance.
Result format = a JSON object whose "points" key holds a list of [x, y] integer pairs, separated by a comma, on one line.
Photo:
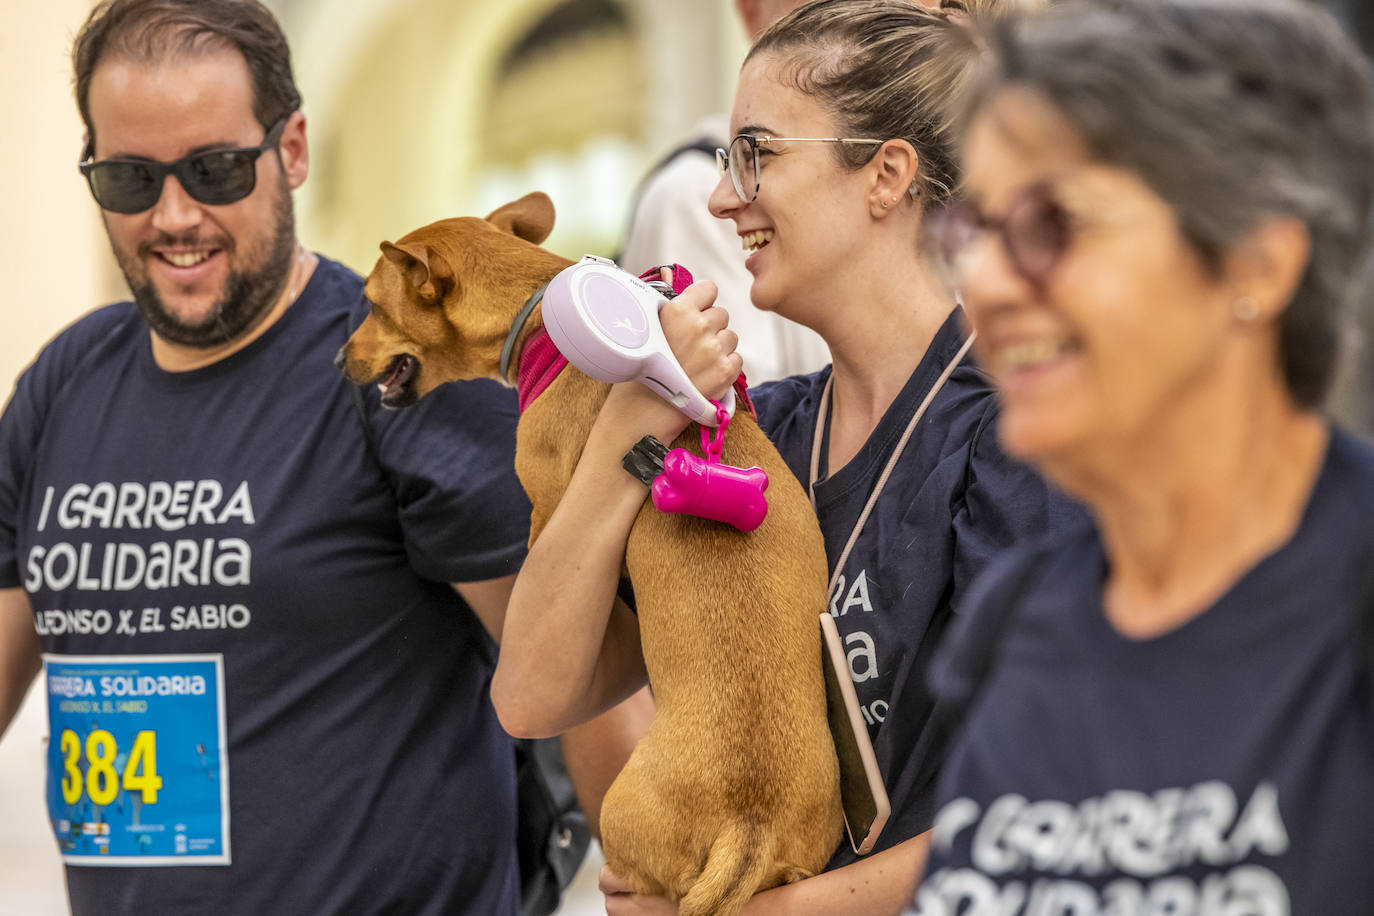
{"points": [[148, 31]]}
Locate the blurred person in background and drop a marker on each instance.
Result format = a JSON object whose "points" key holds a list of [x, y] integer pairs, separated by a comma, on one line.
{"points": [[264, 695], [1353, 399], [1167, 203], [842, 143], [671, 224], [1357, 16]]}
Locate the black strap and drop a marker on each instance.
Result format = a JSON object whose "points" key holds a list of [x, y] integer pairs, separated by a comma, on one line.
{"points": [[699, 145], [517, 323]]}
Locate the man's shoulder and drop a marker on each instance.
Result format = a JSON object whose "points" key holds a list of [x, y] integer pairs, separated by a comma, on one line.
{"points": [[684, 171], [670, 206], [684, 174], [97, 341], [107, 326], [334, 287], [98, 323]]}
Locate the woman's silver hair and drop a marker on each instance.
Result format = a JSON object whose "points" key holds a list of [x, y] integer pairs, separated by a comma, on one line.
{"points": [[1231, 111]]}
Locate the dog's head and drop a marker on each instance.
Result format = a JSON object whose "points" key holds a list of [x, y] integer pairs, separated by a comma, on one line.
{"points": [[443, 298]]}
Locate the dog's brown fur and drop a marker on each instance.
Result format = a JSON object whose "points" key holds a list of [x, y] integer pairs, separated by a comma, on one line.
{"points": [[735, 787]]}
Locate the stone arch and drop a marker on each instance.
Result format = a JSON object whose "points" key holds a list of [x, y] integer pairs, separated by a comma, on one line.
{"points": [[392, 92]]}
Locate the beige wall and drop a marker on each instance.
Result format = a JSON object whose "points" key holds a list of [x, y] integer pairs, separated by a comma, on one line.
{"points": [[53, 254], [395, 97], [56, 266]]}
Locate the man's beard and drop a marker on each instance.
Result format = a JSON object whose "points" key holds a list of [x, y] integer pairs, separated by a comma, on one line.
{"points": [[248, 293]]}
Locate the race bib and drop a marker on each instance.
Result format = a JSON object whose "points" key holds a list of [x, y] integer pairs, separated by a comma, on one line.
{"points": [[138, 770]]}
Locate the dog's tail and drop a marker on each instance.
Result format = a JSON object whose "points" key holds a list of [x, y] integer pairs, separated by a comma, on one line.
{"points": [[735, 867]]}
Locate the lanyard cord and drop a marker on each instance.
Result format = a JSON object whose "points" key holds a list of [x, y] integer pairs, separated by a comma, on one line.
{"points": [[822, 420]]}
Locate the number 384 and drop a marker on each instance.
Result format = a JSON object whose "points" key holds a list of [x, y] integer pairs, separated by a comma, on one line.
{"points": [[100, 781]]}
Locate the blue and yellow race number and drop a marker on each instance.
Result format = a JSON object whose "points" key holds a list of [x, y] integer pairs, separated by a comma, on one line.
{"points": [[137, 762]]}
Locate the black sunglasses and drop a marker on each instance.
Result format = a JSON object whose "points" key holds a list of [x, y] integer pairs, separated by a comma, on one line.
{"points": [[1035, 231], [214, 177]]}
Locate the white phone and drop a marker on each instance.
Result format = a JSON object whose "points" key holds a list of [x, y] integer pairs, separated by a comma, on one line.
{"points": [[866, 805]]}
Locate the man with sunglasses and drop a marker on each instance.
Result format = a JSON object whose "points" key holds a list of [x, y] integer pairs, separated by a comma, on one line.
{"points": [[264, 697]]}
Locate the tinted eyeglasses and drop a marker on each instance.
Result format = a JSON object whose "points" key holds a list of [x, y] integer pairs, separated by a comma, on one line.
{"points": [[741, 160], [1035, 232], [214, 177]]}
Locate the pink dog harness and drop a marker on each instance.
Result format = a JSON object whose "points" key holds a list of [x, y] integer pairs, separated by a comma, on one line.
{"points": [[540, 361], [680, 481]]}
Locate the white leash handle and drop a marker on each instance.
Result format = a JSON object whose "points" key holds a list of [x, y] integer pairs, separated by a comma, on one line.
{"points": [[605, 321]]}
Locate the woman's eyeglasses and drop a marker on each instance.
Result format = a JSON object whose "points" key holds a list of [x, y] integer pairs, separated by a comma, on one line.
{"points": [[215, 177], [741, 160], [1035, 233]]}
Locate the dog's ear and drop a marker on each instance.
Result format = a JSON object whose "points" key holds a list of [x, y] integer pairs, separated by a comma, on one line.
{"points": [[415, 259], [529, 218]]}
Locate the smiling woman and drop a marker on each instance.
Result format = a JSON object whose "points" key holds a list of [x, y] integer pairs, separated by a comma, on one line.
{"points": [[843, 147], [842, 142], [1168, 202]]}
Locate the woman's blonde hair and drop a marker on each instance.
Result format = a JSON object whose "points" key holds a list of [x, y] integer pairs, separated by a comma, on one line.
{"points": [[886, 69]]}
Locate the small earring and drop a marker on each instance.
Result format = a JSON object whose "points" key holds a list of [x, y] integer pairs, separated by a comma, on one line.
{"points": [[1245, 309], [884, 205]]}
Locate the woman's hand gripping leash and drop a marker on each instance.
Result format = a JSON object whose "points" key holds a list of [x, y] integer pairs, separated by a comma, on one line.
{"points": [[681, 482]]}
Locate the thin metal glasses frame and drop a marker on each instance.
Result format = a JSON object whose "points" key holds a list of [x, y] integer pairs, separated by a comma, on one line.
{"points": [[748, 194]]}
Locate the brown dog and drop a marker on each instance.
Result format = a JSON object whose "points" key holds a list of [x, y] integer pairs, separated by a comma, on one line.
{"points": [[735, 787]]}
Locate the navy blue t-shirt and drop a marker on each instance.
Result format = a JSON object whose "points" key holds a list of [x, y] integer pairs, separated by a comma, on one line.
{"points": [[953, 502], [1226, 766], [265, 697]]}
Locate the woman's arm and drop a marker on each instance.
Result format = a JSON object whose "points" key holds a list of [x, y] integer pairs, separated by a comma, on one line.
{"points": [[570, 648]]}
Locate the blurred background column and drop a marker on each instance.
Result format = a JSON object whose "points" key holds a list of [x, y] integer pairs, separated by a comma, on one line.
{"points": [[436, 108], [56, 266]]}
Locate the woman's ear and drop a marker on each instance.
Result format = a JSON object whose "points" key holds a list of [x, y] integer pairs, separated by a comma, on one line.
{"points": [[1268, 263], [895, 167]]}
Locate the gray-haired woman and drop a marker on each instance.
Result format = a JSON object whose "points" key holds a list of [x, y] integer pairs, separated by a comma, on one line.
{"points": [[1167, 201]]}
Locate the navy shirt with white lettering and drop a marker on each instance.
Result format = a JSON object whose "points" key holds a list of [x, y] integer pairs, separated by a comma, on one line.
{"points": [[230, 523], [1226, 766], [953, 502]]}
